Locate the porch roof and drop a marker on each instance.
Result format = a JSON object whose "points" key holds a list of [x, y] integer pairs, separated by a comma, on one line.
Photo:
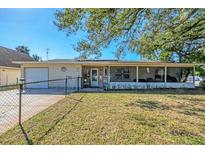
{"points": [[108, 62]]}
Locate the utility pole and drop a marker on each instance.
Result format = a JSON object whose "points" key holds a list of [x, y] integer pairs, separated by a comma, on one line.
{"points": [[47, 50]]}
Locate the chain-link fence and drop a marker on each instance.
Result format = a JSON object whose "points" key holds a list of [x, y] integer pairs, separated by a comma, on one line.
{"points": [[21, 101], [9, 101]]}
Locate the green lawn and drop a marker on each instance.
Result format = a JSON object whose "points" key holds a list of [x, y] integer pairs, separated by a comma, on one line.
{"points": [[116, 118], [9, 87]]}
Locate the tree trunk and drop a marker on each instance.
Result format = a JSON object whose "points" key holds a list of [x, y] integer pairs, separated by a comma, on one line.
{"points": [[180, 57]]}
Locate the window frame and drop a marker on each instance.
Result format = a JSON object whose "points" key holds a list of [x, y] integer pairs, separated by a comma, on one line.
{"points": [[121, 73]]}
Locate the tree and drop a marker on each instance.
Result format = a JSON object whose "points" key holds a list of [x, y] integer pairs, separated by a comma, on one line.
{"points": [[23, 49], [173, 35], [200, 70], [26, 50], [36, 57]]}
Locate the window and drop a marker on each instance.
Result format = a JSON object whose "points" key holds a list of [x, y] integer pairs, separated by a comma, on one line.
{"points": [[123, 74], [179, 74], [151, 74]]}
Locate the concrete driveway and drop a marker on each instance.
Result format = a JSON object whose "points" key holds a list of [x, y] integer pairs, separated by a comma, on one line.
{"points": [[33, 102]]}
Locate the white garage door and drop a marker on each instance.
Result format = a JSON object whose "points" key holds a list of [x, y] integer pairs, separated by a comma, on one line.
{"points": [[35, 75]]}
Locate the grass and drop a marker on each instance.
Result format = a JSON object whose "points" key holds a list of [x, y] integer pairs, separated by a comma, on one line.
{"points": [[9, 87], [116, 118]]}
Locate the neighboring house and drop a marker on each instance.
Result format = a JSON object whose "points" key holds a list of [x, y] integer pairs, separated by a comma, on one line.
{"points": [[112, 74], [10, 72]]}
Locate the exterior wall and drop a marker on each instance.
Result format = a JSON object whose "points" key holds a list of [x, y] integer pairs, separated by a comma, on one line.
{"points": [[9, 76], [75, 70], [72, 72], [148, 85]]}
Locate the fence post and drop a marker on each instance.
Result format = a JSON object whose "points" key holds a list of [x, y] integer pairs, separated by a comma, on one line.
{"points": [[20, 101], [17, 82], [66, 84], [78, 82], [107, 85]]}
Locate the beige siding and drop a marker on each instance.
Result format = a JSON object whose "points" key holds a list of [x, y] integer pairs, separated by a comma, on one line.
{"points": [[55, 72], [72, 72], [9, 76]]}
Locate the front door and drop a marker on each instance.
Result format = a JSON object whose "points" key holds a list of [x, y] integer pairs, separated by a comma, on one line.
{"points": [[94, 77]]}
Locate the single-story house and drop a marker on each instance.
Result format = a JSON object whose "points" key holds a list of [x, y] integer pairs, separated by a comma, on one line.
{"points": [[10, 72], [112, 74]]}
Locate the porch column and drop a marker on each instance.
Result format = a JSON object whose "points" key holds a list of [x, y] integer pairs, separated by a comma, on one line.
{"points": [[194, 75], [108, 74], [137, 74], [165, 74]]}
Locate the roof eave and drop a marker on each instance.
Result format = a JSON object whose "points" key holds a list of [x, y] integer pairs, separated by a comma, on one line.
{"points": [[109, 63]]}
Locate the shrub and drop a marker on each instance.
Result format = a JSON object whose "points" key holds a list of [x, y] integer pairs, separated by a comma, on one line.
{"points": [[202, 84]]}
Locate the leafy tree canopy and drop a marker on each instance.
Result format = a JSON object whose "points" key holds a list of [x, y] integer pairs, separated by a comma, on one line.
{"points": [[23, 49], [173, 35], [36, 57], [26, 50]]}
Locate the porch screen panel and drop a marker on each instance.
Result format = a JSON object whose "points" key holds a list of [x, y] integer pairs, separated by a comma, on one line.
{"points": [[178, 74], [151, 74], [122, 74]]}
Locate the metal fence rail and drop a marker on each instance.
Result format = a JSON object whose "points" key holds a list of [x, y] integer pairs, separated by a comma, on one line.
{"points": [[21, 101]]}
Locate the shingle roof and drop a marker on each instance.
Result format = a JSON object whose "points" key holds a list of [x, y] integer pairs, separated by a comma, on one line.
{"points": [[9, 55]]}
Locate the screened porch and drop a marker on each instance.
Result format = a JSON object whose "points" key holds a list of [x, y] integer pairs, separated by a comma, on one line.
{"points": [[136, 77]]}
